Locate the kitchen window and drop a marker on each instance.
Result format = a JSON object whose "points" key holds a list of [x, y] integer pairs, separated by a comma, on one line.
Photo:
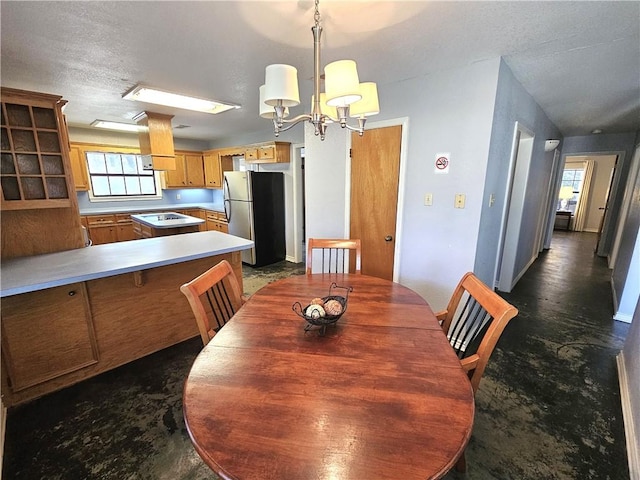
{"points": [[114, 176]]}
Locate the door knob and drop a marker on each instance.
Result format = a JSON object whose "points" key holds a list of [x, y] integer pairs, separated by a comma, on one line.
{"points": [[388, 238]]}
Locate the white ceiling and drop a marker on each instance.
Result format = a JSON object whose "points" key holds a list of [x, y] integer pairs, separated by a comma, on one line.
{"points": [[579, 60]]}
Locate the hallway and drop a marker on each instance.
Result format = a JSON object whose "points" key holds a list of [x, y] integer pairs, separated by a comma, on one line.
{"points": [[547, 408]]}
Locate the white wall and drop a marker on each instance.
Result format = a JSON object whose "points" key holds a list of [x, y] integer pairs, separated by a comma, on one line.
{"points": [[449, 111]]}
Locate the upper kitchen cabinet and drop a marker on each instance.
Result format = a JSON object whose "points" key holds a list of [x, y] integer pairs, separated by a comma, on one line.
{"points": [[78, 168], [216, 162], [35, 169], [272, 152], [189, 172]]}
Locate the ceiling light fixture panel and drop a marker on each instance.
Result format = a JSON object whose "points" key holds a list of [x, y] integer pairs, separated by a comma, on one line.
{"points": [[119, 126], [141, 93]]}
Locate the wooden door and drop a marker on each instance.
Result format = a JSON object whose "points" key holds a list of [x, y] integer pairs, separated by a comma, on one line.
{"points": [[375, 171]]}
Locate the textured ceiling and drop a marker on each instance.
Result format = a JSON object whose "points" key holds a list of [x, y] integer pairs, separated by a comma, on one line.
{"points": [[579, 60]]}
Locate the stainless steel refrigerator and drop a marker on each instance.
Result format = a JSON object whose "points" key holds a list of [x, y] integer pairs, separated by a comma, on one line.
{"points": [[254, 205]]}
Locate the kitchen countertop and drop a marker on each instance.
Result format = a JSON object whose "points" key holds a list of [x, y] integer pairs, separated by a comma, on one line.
{"points": [[38, 272], [216, 207], [167, 220]]}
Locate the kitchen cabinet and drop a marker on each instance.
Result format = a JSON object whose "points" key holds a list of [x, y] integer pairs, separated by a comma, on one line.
{"points": [[216, 162], [177, 178], [60, 337], [35, 169], [272, 152], [217, 221], [189, 172], [110, 228], [124, 228], [198, 213], [195, 170], [79, 168]]}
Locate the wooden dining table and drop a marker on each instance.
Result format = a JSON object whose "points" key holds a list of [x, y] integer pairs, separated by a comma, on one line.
{"points": [[380, 396]]}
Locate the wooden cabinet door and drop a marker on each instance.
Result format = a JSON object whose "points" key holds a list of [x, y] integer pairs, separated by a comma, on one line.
{"points": [[177, 178], [212, 170], [103, 234], [79, 168], [50, 338], [195, 170], [124, 228]]}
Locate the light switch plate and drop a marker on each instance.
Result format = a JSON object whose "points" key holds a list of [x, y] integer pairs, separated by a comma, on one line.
{"points": [[428, 199], [459, 201]]}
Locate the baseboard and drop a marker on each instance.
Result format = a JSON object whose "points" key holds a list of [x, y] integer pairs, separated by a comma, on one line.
{"points": [[623, 317], [633, 445], [289, 258], [522, 272]]}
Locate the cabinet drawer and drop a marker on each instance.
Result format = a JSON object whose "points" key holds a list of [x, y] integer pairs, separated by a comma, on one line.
{"points": [[267, 152], [94, 220], [250, 154]]}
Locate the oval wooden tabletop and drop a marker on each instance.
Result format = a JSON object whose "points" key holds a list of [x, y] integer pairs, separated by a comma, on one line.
{"points": [[381, 395]]}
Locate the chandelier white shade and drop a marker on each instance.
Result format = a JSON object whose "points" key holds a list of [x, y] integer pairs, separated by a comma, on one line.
{"points": [[344, 95], [281, 85], [368, 105], [341, 83]]}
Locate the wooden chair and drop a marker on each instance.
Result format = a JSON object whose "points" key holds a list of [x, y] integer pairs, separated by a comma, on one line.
{"points": [[334, 254], [473, 322], [214, 297]]}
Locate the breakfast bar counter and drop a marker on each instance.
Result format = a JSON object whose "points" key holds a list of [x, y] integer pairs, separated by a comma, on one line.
{"points": [[71, 315], [28, 274]]}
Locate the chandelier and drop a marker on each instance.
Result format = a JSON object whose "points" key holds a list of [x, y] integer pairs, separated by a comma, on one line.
{"points": [[344, 95]]}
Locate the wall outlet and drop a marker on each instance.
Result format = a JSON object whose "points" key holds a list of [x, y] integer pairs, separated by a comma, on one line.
{"points": [[177, 196], [428, 199], [492, 200], [459, 201]]}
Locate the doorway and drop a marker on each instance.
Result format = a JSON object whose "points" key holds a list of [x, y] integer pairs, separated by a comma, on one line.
{"points": [[508, 271]]}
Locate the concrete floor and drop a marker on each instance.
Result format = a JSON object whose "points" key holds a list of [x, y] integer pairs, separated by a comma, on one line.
{"points": [[548, 406]]}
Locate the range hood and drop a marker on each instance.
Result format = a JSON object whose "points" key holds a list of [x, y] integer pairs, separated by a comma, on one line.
{"points": [[156, 141]]}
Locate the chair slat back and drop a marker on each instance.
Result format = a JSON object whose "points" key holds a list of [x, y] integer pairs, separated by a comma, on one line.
{"points": [[214, 298], [475, 318], [336, 255]]}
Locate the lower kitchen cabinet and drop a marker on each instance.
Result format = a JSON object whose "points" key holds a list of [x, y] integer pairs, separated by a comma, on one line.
{"points": [[217, 221], [110, 228], [61, 337]]}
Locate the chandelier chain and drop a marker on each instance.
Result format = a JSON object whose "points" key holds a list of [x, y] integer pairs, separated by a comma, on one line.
{"points": [[316, 15]]}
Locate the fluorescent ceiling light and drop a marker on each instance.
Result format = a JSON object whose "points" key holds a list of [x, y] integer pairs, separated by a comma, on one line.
{"points": [[123, 127], [150, 95]]}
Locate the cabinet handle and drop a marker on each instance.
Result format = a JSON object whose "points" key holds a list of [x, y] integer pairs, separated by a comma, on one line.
{"points": [[72, 293], [388, 238]]}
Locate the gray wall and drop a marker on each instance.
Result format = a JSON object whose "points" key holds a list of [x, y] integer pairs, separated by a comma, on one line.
{"points": [[513, 104], [623, 285]]}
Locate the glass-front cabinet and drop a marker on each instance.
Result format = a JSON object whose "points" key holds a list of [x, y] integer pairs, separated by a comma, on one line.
{"points": [[34, 147]]}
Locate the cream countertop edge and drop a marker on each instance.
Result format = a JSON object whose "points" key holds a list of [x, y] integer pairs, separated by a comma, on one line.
{"points": [[39, 272]]}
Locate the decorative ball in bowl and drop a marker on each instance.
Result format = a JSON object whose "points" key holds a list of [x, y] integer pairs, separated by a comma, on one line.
{"points": [[323, 311]]}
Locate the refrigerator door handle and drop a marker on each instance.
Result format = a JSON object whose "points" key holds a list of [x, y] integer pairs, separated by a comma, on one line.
{"points": [[227, 211]]}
